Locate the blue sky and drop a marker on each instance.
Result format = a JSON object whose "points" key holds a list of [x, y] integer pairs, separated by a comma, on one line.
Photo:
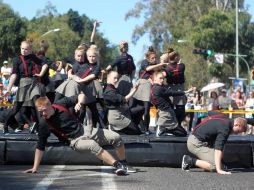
{"points": [[110, 12]]}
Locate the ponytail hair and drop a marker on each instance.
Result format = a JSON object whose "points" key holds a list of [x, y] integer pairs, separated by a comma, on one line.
{"points": [[122, 45], [151, 51], [173, 56], [169, 50], [44, 45]]}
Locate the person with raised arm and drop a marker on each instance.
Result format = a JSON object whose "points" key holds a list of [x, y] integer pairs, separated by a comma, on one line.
{"points": [[166, 118], [143, 95]]}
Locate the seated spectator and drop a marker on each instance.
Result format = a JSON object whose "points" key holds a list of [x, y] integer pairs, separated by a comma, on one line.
{"points": [[199, 103], [213, 103], [6, 73], [249, 105], [239, 100], [224, 101], [5, 69], [5, 79]]}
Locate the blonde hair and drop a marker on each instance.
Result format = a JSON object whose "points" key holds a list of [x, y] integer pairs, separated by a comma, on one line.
{"points": [[123, 44], [242, 122], [92, 50], [83, 46], [42, 101], [79, 49], [29, 42]]}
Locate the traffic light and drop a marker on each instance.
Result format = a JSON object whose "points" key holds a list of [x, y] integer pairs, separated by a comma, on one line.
{"points": [[209, 52], [206, 52]]}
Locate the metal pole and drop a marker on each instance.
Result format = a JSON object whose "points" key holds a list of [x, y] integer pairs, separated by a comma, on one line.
{"points": [[236, 40], [248, 67]]}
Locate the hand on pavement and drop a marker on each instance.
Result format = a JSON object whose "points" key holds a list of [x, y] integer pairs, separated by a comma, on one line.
{"points": [[222, 172], [30, 171]]}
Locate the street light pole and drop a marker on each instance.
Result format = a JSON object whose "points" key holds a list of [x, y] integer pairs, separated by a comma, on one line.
{"points": [[236, 40], [54, 30], [244, 60]]}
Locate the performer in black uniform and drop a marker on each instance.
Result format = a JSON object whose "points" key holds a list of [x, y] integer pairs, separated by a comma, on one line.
{"points": [[49, 86], [125, 68], [57, 119], [143, 96], [119, 116], [166, 120], [84, 47], [175, 80], [81, 78], [26, 74], [208, 139]]}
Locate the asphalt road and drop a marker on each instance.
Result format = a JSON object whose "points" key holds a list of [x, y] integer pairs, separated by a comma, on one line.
{"points": [[101, 177]]}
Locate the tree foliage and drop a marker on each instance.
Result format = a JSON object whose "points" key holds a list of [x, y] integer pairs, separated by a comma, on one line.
{"points": [[75, 22], [201, 24], [12, 31], [74, 30]]}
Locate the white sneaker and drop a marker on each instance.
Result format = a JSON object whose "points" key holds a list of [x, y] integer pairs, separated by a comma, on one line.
{"points": [[18, 130], [130, 169], [159, 131]]}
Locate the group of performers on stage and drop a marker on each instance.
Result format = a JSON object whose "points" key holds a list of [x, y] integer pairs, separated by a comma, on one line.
{"points": [[87, 114], [84, 112], [118, 104]]}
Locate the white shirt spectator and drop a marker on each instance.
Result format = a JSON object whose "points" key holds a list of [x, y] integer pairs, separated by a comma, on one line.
{"points": [[223, 100], [5, 69]]}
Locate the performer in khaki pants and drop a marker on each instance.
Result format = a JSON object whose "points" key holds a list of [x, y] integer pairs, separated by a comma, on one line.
{"points": [[57, 119], [166, 119], [119, 116], [208, 139]]}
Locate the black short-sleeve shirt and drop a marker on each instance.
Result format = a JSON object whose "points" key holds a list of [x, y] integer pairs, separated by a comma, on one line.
{"points": [[62, 121], [175, 73], [84, 68], [142, 72], [214, 130], [124, 64]]}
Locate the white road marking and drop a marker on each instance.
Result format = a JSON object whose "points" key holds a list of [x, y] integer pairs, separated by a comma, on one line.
{"points": [[107, 179], [49, 179]]}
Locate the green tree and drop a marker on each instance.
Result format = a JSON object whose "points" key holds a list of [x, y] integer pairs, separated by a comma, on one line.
{"points": [[75, 22], [71, 34], [216, 30], [12, 32], [62, 43], [202, 24]]}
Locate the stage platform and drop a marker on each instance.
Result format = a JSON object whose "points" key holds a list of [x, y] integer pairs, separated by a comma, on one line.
{"points": [[144, 150]]}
